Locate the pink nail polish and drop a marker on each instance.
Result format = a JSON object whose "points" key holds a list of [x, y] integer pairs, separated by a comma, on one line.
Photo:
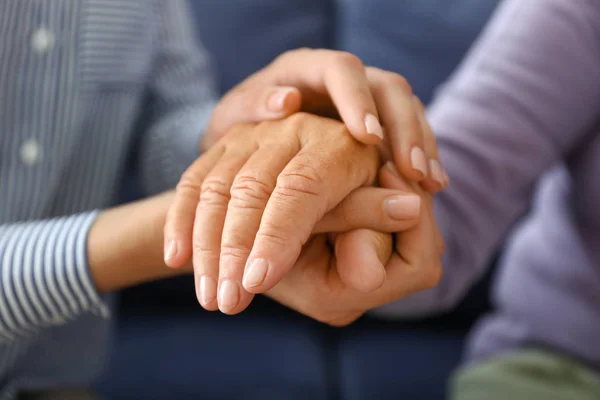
{"points": [[373, 126], [170, 251], [418, 160], [208, 290], [229, 296], [402, 207], [276, 101], [255, 273], [446, 179], [436, 172]]}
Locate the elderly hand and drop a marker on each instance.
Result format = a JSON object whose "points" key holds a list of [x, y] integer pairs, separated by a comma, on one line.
{"points": [[257, 196]]}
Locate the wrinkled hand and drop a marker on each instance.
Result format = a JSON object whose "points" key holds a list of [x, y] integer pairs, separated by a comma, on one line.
{"points": [[334, 83], [321, 284], [254, 199]]}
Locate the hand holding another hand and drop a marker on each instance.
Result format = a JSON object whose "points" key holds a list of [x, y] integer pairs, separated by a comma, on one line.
{"points": [[268, 193], [323, 283], [256, 197], [377, 107]]}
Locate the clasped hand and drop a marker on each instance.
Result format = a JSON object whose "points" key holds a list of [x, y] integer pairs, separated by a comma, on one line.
{"points": [[288, 208]]}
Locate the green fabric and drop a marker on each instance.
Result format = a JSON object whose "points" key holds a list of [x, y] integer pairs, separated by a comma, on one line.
{"points": [[526, 375]]}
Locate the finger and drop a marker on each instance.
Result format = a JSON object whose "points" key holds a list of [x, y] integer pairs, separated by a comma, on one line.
{"points": [[250, 193], [436, 179], [389, 177], [383, 210], [208, 224], [325, 76], [418, 245], [394, 99], [361, 255], [180, 217], [313, 267], [254, 103], [309, 186]]}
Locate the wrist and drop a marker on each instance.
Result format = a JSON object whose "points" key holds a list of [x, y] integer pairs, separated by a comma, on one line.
{"points": [[125, 244]]}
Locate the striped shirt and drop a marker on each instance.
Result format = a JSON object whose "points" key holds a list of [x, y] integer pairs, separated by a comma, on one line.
{"points": [[82, 83]]}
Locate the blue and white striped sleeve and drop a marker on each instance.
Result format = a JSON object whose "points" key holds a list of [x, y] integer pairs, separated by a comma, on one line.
{"points": [[44, 275], [182, 98]]}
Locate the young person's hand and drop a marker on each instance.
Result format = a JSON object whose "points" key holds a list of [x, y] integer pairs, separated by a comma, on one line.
{"points": [[377, 106]]}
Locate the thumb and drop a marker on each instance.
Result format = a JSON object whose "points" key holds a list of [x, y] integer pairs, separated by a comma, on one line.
{"points": [[361, 256], [253, 103]]}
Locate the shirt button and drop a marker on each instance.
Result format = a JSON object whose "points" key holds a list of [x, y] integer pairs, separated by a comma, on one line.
{"points": [[31, 152], [42, 41]]}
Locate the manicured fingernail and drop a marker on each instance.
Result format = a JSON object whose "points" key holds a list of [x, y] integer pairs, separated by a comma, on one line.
{"points": [[256, 273], [418, 160], [446, 179], [229, 296], [436, 172], [170, 251], [373, 126], [277, 99], [208, 290], [401, 207]]}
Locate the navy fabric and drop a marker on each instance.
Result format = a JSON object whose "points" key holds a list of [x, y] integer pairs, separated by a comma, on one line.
{"points": [[166, 352], [244, 36], [397, 361], [424, 40]]}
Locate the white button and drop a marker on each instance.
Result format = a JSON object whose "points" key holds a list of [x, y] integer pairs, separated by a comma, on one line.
{"points": [[31, 152], [42, 41]]}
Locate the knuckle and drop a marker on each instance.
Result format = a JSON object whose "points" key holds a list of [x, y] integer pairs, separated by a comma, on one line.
{"points": [[215, 190], [290, 54], [434, 274], [187, 185], [250, 192], [235, 250], [347, 59], [304, 180], [275, 234], [399, 81], [204, 253], [298, 120]]}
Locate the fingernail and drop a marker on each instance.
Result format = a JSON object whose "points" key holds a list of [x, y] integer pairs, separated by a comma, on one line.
{"points": [[392, 168], [436, 172], [208, 290], [256, 273], [401, 207], [446, 179], [229, 295], [373, 126], [170, 250], [418, 160], [277, 99]]}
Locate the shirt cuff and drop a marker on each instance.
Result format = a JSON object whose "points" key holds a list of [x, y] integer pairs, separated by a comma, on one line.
{"points": [[45, 279]]}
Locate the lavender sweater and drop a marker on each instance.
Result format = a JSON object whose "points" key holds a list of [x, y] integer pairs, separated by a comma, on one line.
{"points": [[520, 121]]}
